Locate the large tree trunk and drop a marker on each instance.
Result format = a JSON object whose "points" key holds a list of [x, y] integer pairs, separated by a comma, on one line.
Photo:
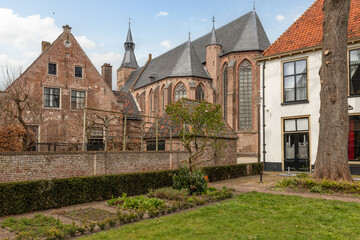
{"points": [[332, 154]]}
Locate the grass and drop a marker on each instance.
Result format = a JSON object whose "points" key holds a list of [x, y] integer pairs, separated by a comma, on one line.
{"points": [[251, 216], [38, 226]]}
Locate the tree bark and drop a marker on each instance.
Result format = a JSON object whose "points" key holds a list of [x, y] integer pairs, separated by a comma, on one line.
{"points": [[332, 154]]}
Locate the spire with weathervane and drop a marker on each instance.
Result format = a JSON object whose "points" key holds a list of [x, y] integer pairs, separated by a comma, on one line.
{"points": [[213, 40], [129, 59]]}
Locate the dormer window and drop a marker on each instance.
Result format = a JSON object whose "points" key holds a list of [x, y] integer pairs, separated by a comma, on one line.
{"points": [[52, 69], [152, 77]]}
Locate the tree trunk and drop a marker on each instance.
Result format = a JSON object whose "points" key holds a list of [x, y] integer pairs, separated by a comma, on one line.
{"points": [[332, 154]]}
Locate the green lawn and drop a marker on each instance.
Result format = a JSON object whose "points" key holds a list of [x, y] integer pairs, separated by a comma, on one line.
{"points": [[251, 216]]}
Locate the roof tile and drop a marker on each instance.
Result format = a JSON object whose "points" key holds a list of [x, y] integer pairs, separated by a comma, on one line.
{"points": [[307, 31]]}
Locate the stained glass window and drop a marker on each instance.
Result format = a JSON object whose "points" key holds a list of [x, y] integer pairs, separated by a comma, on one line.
{"points": [[245, 96]]}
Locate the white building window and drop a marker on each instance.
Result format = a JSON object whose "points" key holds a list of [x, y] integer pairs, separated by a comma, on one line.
{"points": [[295, 81]]}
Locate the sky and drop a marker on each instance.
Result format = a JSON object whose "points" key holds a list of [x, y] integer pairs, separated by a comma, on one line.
{"points": [[101, 26]]}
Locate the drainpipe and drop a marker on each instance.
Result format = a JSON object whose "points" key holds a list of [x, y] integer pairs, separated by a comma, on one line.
{"points": [[263, 113]]}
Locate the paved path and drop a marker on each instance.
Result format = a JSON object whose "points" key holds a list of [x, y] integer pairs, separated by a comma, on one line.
{"points": [[241, 185]]}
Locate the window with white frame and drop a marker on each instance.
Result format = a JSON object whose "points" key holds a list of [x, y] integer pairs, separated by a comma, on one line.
{"points": [[354, 71], [51, 97], [295, 81], [77, 99]]}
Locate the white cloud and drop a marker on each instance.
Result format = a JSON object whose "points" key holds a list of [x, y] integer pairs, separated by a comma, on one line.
{"points": [[85, 42], [297, 16], [166, 44], [204, 20], [99, 59], [162, 14], [25, 33], [280, 18], [13, 64]]}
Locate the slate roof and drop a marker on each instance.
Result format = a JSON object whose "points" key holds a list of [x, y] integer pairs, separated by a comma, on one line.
{"points": [[245, 33], [129, 59], [165, 123], [307, 31], [129, 104]]}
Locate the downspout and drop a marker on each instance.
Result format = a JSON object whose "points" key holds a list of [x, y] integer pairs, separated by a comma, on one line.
{"points": [[263, 113]]}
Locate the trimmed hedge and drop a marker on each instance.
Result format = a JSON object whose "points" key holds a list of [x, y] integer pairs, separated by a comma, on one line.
{"points": [[217, 173], [29, 196]]}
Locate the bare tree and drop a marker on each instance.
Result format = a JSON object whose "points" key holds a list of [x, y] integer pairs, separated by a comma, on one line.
{"points": [[18, 105], [332, 154]]}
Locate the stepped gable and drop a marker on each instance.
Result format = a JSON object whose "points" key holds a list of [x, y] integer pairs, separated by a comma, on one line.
{"points": [[307, 30]]}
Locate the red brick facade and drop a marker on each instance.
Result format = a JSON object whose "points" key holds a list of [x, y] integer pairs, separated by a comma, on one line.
{"points": [[71, 73]]}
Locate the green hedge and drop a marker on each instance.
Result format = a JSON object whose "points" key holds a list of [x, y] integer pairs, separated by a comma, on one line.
{"points": [[217, 173], [29, 196]]}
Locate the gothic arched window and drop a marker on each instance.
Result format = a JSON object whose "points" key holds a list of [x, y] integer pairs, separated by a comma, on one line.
{"points": [[245, 96], [199, 93], [151, 102], [180, 91], [225, 90]]}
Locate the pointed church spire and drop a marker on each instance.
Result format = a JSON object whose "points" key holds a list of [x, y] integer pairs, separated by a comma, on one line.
{"points": [[213, 40], [129, 59]]}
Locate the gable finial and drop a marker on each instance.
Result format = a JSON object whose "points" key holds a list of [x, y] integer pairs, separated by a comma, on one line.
{"points": [[254, 5], [129, 21], [189, 34], [213, 20]]}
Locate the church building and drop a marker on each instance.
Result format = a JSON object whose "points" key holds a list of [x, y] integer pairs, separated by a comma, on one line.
{"points": [[219, 67]]}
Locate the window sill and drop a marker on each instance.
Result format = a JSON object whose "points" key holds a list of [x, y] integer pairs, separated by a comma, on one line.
{"points": [[292, 103], [354, 96]]}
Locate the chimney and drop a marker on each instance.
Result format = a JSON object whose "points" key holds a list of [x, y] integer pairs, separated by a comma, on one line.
{"points": [[67, 28], [44, 45], [106, 73]]}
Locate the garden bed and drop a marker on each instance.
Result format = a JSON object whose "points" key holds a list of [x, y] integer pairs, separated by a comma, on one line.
{"points": [[303, 183], [128, 210]]}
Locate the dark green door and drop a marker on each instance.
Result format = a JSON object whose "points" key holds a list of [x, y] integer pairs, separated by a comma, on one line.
{"points": [[296, 152]]}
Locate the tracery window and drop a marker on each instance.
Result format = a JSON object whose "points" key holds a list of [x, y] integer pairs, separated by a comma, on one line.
{"points": [[245, 96], [199, 93], [225, 90], [180, 91]]}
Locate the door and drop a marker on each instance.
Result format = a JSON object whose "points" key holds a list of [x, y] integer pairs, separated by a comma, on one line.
{"points": [[296, 152]]}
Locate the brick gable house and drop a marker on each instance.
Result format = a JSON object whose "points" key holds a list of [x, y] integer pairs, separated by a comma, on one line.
{"points": [[63, 81], [292, 87]]}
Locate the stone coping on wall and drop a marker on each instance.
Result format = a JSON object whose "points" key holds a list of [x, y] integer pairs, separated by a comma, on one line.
{"points": [[84, 152]]}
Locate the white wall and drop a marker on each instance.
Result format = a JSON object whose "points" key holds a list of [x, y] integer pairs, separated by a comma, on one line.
{"points": [[275, 111]]}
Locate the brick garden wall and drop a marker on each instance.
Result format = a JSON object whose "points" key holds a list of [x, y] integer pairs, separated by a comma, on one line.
{"points": [[34, 166]]}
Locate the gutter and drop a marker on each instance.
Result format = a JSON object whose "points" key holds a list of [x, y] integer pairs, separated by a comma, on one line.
{"points": [[263, 114]]}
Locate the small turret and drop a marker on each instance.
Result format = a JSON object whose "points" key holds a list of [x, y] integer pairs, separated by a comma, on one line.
{"points": [[129, 63], [213, 51]]}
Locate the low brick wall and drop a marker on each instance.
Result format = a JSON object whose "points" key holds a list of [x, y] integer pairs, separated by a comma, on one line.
{"points": [[48, 165]]}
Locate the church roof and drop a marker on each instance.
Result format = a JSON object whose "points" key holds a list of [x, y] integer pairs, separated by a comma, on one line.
{"points": [[165, 123], [307, 31], [245, 33]]}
